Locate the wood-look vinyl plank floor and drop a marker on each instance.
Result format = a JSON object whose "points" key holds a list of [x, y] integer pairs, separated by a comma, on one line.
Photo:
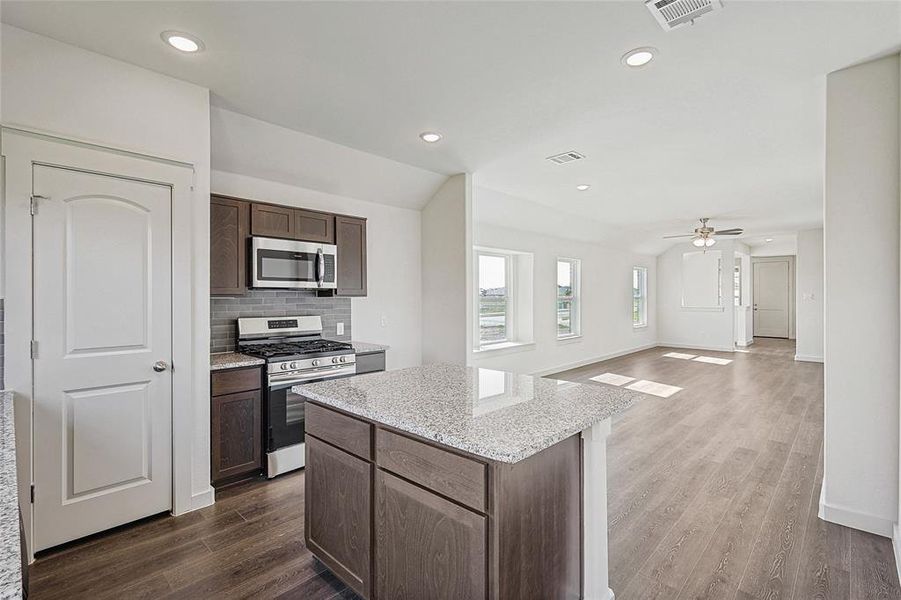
{"points": [[713, 494]]}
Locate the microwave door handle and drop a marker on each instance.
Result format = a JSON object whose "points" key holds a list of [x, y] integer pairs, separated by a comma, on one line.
{"points": [[320, 267]]}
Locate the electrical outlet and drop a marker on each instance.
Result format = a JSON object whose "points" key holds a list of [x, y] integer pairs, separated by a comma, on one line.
{"points": [[340, 328]]}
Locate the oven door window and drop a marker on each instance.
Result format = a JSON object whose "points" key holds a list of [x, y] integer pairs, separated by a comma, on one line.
{"points": [[284, 265], [286, 418]]}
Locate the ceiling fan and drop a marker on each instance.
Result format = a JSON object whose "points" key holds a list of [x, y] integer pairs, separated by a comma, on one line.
{"points": [[703, 236]]}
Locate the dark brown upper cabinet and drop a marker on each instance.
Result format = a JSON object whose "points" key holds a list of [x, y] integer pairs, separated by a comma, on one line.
{"points": [[314, 226], [229, 220], [273, 221], [350, 237]]}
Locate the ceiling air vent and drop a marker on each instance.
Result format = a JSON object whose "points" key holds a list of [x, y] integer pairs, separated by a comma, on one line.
{"points": [[676, 13], [566, 157]]}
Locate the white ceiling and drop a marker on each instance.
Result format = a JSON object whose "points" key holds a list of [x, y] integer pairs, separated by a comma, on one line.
{"points": [[727, 122]]}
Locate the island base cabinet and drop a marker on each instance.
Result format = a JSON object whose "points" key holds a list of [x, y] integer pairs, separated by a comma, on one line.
{"points": [[337, 519], [426, 546]]}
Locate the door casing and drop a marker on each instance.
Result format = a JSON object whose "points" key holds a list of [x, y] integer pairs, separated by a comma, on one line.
{"points": [[20, 149]]}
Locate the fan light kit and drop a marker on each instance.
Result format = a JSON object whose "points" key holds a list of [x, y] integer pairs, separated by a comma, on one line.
{"points": [[703, 236]]}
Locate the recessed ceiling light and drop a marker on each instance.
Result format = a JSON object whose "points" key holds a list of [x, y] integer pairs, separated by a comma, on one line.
{"points": [[582, 187], [184, 42], [639, 57], [430, 137], [768, 240]]}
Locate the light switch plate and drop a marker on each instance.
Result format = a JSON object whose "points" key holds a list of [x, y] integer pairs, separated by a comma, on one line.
{"points": [[340, 328]]}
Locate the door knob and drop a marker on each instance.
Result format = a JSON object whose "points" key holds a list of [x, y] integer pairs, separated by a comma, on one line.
{"points": [[160, 366]]}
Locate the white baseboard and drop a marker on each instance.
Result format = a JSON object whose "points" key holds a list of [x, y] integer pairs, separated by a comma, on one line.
{"points": [[896, 544], [693, 347], [808, 358], [842, 515], [588, 361], [745, 343], [203, 499]]}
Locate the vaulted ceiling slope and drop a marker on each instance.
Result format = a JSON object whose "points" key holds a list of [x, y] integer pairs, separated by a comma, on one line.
{"points": [[727, 121]]}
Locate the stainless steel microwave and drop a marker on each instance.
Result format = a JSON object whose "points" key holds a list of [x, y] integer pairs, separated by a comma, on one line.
{"points": [[292, 264]]}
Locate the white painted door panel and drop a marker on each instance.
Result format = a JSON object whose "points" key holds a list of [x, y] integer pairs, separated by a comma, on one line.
{"points": [[102, 317], [771, 298]]}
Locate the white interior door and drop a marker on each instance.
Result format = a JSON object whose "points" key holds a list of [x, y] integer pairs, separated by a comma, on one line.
{"points": [[102, 318], [771, 298]]}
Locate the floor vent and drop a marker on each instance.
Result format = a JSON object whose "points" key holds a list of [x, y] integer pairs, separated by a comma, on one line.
{"points": [[676, 13], [566, 157]]}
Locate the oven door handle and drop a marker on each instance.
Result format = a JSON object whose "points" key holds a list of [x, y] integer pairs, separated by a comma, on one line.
{"points": [[320, 267], [338, 371]]}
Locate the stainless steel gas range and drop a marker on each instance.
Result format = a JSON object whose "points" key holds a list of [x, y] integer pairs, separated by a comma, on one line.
{"points": [[295, 353]]}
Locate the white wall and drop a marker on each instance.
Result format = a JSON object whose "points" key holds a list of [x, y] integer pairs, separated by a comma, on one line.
{"points": [[706, 329], [809, 292], [861, 235], [782, 245], [391, 313], [446, 268], [64, 90], [606, 287]]}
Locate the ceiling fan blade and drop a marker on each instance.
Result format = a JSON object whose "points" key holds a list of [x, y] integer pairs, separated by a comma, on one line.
{"points": [[736, 231], [666, 237]]}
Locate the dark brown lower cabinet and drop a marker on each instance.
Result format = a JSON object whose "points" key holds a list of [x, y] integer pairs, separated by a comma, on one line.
{"points": [[414, 519], [426, 546], [337, 519], [236, 426]]}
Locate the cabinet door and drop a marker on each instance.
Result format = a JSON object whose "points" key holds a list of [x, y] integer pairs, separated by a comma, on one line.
{"points": [[337, 505], [312, 226], [236, 434], [272, 221], [228, 245], [350, 236], [426, 546]]}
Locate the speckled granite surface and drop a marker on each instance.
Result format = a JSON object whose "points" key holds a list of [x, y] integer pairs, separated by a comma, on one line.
{"points": [[492, 414], [367, 348], [233, 360], [10, 559]]}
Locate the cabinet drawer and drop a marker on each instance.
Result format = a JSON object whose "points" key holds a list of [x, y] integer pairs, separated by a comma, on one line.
{"points": [[449, 474], [234, 381], [347, 433]]}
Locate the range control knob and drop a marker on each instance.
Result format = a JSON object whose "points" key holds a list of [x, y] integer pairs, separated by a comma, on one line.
{"points": [[284, 366], [334, 359], [293, 365], [315, 363], [343, 359]]}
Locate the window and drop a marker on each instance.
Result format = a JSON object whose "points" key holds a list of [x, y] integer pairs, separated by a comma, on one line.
{"points": [[503, 298], [495, 301], [568, 297], [736, 282], [639, 296]]}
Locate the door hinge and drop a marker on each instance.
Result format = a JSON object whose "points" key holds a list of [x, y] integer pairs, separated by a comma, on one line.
{"points": [[34, 349], [32, 493], [34, 203]]}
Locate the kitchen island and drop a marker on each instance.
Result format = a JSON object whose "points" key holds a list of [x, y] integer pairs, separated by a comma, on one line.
{"points": [[444, 481]]}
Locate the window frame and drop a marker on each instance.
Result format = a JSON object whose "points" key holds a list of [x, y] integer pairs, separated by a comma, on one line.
{"points": [[510, 316], [642, 297], [575, 311]]}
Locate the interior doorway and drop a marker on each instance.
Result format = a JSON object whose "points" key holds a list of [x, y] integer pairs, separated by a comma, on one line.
{"points": [[774, 302]]}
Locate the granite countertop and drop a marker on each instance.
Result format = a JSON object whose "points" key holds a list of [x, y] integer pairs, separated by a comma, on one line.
{"points": [[233, 360], [10, 558], [493, 414], [367, 348]]}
